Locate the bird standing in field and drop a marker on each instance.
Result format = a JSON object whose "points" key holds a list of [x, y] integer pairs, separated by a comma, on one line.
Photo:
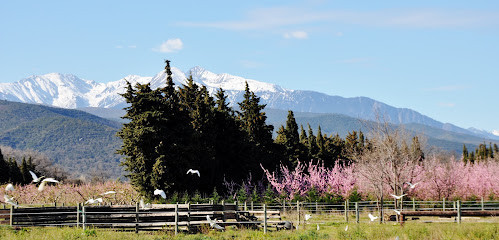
{"points": [[308, 216], [398, 197], [372, 217], [160, 192], [213, 223], [192, 171]]}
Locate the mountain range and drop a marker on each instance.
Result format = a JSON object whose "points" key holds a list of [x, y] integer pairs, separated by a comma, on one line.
{"points": [[69, 91]]}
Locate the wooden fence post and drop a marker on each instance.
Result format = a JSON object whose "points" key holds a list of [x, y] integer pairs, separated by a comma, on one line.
{"points": [[136, 217], [298, 212], [483, 207], [346, 210], [189, 217], [11, 220], [223, 211], [84, 215], [251, 205], [413, 205], [176, 218], [78, 215], [265, 218], [458, 211], [284, 205], [443, 205], [245, 206], [316, 208], [357, 212]]}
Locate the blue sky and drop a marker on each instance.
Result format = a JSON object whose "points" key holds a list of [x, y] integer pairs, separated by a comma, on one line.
{"points": [[440, 58]]}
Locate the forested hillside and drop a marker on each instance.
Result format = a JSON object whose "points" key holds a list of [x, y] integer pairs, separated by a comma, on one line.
{"points": [[81, 142]]}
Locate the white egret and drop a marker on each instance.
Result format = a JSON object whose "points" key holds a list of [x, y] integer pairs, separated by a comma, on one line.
{"points": [[41, 187], [35, 178], [10, 200], [92, 201], [308, 216], [192, 171], [372, 217], [398, 197], [412, 185], [109, 192], [396, 211], [144, 205], [160, 192], [318, 228], [9, 188], [213, 223]]}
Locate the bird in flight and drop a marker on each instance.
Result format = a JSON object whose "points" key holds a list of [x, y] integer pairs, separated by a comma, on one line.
{"points": [[92, 201], [412, 185], [160, 192], [10, 200], [213, 223], [308, 216], [396, 211], [41, 187], [36, 179], [109, 192], [192, 171], [398, 197], [9, 187], [372, 217]]}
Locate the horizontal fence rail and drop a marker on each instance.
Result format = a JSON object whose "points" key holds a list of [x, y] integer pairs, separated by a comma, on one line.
{"points": [[190, 217]]}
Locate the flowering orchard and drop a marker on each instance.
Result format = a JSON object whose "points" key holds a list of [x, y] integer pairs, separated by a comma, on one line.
{"points": [[435, 180], [71, 194]]}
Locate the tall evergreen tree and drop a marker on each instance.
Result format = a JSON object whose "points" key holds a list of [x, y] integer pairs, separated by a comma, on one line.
{"points": [[252, 120], [5, 169], [26, 176], [465, 154]]}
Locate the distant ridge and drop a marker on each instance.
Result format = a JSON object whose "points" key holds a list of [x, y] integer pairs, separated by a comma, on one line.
{"points": [[80, 142], [69, 91]]}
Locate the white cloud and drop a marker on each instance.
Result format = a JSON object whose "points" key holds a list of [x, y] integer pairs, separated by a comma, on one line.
{"points": [[250, 64], [448, 105], [355, 60], [132, 46], [170, 45], [296, 34], [495, 132], [271, 18], [448, 88]]}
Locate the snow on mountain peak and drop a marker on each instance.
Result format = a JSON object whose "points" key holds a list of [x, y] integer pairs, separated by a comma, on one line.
{"points": [[230, 82], [495, 132]]}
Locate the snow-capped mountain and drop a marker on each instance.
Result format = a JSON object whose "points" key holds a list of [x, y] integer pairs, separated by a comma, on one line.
{"points": [[69, 91]]}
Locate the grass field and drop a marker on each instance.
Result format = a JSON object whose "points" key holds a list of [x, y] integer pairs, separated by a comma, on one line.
{"points": [[328, 230]]}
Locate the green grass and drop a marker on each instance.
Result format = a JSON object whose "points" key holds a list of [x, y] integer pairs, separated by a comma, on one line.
{"points": [[328, 230]]}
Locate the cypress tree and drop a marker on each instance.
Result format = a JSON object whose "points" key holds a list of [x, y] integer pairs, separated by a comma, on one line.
{"points": [[26, 176], [5, 169], [465, 154]]}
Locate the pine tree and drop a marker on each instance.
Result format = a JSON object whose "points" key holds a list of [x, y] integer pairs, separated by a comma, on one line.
{"points": [[15, 176], [5, 169], [155, 140], [252, 121], [496, 149], [465, 154], [26, 176]]}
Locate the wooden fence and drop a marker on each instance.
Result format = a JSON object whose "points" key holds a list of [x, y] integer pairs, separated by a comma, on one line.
{"points": [[190, 217], [175, 217]]}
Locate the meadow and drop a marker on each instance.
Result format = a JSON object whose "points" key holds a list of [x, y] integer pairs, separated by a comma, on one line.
{"points": [[329, 230]]}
